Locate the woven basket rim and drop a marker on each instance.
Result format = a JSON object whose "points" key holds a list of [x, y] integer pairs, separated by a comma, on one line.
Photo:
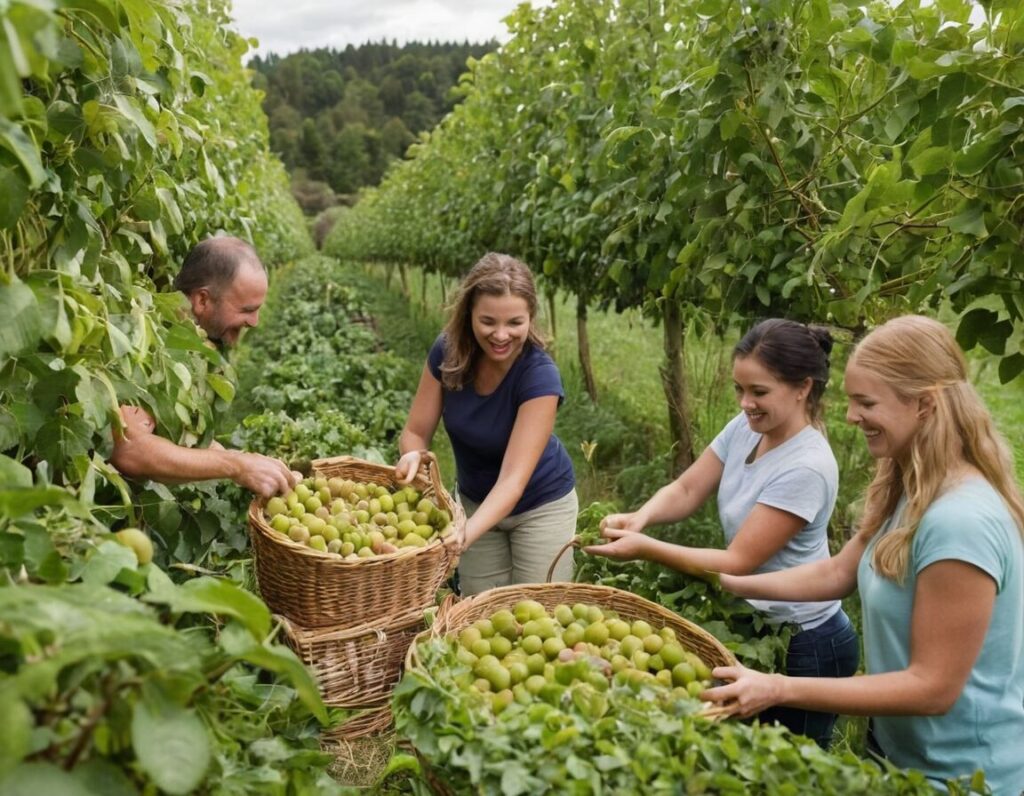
{"points": [[427, 476]]}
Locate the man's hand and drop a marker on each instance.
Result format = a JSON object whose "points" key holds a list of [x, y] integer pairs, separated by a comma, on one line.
{"points": [[263, 475]]}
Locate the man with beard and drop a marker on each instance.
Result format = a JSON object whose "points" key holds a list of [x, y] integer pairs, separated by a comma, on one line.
{"points": [[226, 284]]}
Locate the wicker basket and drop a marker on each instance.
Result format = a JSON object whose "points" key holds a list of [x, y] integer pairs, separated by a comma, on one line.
{"points": [[314, 589], [356, 666], [371, 720], [454, 615]]}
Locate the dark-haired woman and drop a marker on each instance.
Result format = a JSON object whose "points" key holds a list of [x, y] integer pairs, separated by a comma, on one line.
{"points": [[490, 379], [776, 480]]}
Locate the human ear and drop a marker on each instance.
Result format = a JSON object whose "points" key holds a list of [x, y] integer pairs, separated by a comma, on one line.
{"points": [[925, 405]]}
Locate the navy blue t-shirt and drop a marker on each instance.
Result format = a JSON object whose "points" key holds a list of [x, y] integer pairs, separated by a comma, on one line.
{"points": [[480, 426]]}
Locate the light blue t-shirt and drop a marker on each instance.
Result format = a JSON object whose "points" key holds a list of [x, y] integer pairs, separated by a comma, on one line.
{"points": [[799, 476], [985, 727]]}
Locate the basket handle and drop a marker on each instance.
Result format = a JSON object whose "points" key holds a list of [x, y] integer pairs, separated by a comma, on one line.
{"points": [[431, 470], [574, 542]]}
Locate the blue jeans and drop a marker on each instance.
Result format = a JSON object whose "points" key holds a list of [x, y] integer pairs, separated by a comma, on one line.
{"points": [[829, 650]]}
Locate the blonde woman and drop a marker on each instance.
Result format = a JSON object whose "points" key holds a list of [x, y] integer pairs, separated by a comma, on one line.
{"points": [[939, 562], [490, 379]]}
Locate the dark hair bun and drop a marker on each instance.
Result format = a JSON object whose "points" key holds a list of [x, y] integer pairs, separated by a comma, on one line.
{"points": [[823, 337]]}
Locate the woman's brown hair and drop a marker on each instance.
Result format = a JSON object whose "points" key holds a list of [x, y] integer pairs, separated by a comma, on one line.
{"points": [[493, 275]]}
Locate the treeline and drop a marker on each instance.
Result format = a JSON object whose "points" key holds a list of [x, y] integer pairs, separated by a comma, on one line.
{"points": [[340, 116]]}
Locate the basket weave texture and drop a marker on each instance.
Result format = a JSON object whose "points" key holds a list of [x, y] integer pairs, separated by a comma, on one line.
{"points": [[315, 590], [355, 666], [454, 615], [373, 719]]}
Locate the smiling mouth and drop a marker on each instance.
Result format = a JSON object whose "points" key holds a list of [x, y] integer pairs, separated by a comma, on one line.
{"points": [[501, 348], [755, 415]]}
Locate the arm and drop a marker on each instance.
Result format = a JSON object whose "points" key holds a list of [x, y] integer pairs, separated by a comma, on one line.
{"points": [[535, 421], [424, 415], [953, 603], [830, 579], [675, 501], [139, 452], [764, 532]]}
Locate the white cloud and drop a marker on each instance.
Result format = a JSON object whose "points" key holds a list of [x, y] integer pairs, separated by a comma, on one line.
{"points": [[284, 27]]}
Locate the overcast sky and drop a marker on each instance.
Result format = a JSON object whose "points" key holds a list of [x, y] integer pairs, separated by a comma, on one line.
{"points": [[284, 26]]}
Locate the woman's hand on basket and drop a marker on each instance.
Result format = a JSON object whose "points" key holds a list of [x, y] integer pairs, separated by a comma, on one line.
{"points": [[407, 467], [748, 693]]}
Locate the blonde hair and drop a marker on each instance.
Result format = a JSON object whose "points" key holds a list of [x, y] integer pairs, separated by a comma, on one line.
{"points": [[918, 357], [493, 275]]}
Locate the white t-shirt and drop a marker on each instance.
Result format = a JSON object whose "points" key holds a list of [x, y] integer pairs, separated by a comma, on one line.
{"points": [[799, 476]]}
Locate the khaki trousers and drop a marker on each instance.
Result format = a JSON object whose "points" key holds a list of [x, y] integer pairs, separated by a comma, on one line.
{"points": [[521, 547]]}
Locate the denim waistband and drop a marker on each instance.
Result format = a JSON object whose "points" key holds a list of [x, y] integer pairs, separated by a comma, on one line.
{"points": [[833, 624]]}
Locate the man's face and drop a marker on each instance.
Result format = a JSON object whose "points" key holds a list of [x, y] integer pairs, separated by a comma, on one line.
{"points": [[223, 317]]}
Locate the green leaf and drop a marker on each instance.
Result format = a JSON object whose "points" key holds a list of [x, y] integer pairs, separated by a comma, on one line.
{"points": [[15, 140], [1010, 367], [209, 595], [934, 159], [171, 744], [14, 474], [36, 779], [969, 222], [18, 724], [10, 85], [224, 388], [13, 197], [972, 325], [134, 114], [22, 323], [107, 562]]}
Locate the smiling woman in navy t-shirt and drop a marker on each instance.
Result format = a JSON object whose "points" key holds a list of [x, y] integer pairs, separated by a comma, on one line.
{"points": [[490, 379]]}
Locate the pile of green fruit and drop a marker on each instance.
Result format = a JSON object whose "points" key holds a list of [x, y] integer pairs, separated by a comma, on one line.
{"points": [[352, 520], [525, 654]]}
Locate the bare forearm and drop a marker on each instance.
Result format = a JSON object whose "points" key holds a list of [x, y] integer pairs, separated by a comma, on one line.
{"points": [[694, 559], [496, 506], [902, 693], [412, 441], [671, 503], [814, 582], [156, 458]]}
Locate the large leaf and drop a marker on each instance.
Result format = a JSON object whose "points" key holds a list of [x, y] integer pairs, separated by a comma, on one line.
{"points": [[209, 595], [172, 745], [15, 141], [37, 779], [22, 324]]}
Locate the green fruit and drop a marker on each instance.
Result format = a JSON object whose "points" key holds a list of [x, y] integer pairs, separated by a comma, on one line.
{"points": [[500, 646], [480, 647], [505, 624], [334, 546], [619, 662], [656, 663], [672, 653], [298, 511], [641, 660], [498, 676], [299, 533], [696, 688], [374, 506], [630, 644], [518, 672], [596, 633], [573, 634], [275, 506], [387, 503], [281, 523], [426, 531], [347, 548], [302, 492], [580, 610], [318, 543], [469, 635], [531, 644], [594, 614], [701, 668], [564, 615], [534, 683], [546, 628], [320, 482], [683, 674], [312, 503], [365, 552], [139, 543], [552, 646], [664, 676], [330, 533], [535, 663], [482, 685], [485, 627], [522, 611], [501, 700], [405, 527], [426, 506], [641, 629], [653, 643], [617, 629]]}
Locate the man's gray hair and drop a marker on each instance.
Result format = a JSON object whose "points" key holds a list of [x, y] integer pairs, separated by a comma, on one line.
{"points": [[213, 264]]}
